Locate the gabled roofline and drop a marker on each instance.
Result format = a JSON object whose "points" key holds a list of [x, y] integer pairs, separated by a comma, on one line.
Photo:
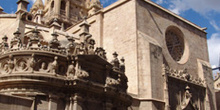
{"points": [[176, 16], [120, 2]]}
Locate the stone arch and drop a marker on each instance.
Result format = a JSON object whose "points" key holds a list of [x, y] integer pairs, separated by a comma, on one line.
{"points": [[52, 5]]}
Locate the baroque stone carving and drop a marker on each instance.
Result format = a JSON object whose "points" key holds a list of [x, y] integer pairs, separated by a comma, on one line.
{"points": [[111, 82], [100, 52], [21, 65], [11, 64], [34, 41], [4, 45], [90, 45], [71, 70], [53, 66], [16, 41], [54, 43], [32, 63], [183, 75], [115, 61], [186, 98], [71, 45]]}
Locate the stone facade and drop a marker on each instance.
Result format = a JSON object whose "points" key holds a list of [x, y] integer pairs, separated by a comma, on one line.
{"points": [[165, 57]]}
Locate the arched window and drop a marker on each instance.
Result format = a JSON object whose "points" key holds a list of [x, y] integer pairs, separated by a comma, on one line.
{"points": [[36, 20], [52, 5], [63, 5]]}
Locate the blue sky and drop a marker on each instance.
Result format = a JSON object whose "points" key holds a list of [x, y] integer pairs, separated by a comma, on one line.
{"points": [[205, 13]]}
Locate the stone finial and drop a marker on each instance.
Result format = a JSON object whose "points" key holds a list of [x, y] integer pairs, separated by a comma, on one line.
{"points": [[5, 39], [55, 24], [22, 5], [54, 43], [35, 32], [16, 41], [26, 1], [17, 33], [34, 41], [38, 4], [84, 30], [4, 44], [95, 5], [1, 9]]}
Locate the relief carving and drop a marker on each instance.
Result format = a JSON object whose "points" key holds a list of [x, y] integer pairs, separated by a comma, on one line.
{"points": [[21, 65], [186, 98], [115, 61], [71, 70], [110, 82], [53, 66], [43, 67], [100, 52], [4, 45], [32, 63]]}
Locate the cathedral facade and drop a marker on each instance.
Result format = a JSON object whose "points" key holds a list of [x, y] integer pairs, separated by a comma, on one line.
{"points": [[77, 55]]}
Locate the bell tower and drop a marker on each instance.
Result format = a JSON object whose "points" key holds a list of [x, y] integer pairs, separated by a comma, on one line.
{"points": [[67, 12]]}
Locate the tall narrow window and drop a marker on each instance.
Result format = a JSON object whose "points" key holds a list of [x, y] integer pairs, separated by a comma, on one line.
{"points": [[63, 5]]}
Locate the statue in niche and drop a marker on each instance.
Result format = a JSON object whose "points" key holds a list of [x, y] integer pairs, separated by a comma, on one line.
{"points": [[22, 65], [80, 49], [71, 45], [100, 52], [186, 98], [71, 70], [115, 61], [53, 66], [5, 68], [43, 67], [90, 46], [32, 63], [10, 64]]}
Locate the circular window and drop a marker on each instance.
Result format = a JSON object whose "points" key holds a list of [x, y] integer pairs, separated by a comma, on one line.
{"points": [[175, 43]]}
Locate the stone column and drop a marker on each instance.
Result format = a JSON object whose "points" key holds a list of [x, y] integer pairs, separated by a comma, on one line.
{"points": [[57, 4], [76, 100], [50, 103], [166, 92], [68, 9]]}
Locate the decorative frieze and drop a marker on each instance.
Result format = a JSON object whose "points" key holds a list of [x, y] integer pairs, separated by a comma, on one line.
{"points": [[183, 75]]}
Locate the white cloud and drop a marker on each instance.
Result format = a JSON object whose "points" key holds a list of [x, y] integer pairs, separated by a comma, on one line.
{"points": [[32, 1], [214, 24], [214, 49], [200, 6], [159, 1]]}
